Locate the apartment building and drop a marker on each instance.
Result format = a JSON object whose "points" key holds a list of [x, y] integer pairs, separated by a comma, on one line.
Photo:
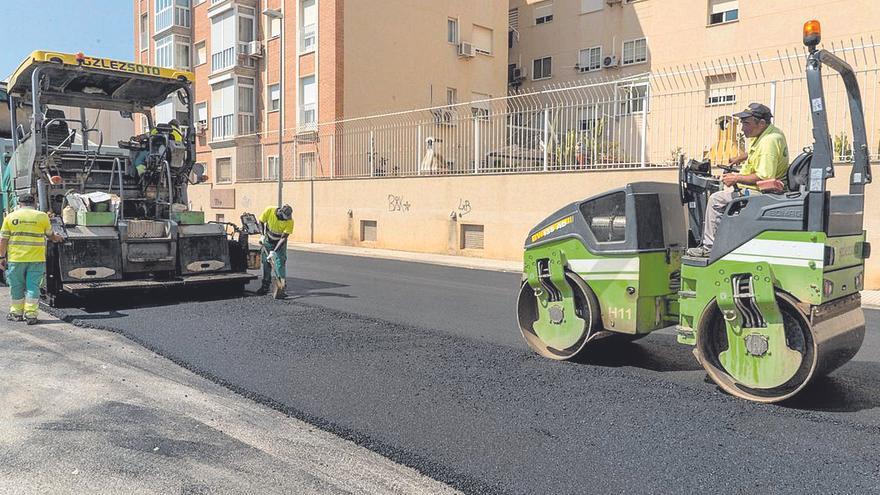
{"points": [[555, 42], [341, 59]]}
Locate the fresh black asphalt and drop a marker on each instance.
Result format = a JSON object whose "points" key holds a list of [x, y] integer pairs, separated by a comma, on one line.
{"points": [[424, 364]]}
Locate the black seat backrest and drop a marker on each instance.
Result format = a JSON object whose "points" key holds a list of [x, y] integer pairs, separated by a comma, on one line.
{"points": [[57, 132], [799, 171]]}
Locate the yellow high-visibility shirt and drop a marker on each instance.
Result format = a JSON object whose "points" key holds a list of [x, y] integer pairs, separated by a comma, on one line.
{"points": [[275, 226], [26, 229], [768, 156]]}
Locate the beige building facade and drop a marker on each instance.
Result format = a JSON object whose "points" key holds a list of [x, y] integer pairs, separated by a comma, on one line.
{"points": [[601, 93]]}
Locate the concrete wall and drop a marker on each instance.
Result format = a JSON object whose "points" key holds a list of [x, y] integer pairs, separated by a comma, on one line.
{"points": [[415, 214]]}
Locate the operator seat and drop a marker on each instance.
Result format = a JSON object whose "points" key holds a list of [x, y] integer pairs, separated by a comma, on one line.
{"points": [[799, 171], [57, 132]]}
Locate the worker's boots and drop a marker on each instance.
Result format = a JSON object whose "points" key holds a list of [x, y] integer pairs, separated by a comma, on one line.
{"points": [[263, 290], [31, 318], [14, 317]]}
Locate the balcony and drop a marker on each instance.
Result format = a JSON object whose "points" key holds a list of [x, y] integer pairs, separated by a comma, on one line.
{"points": [[247, 124], [171, 16], [308, 118], [223, 127], [238, 56]]}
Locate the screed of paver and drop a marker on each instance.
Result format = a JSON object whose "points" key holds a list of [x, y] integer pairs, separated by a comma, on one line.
{"points": [[90, 411]]}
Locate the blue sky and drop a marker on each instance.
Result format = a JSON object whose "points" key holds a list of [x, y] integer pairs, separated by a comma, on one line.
{"points": [[96, 27]]}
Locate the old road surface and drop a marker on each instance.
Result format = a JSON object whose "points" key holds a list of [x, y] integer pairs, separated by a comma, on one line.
{"points": [[424, 364]]}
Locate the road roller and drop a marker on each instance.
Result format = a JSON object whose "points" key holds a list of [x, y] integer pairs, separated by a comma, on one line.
{"points": [[775, 304]]}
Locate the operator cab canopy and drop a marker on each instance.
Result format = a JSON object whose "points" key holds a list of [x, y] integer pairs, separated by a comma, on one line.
{"points": [[101, 83]]}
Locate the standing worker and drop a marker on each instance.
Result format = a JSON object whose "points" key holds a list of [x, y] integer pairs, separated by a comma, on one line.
{"points": [[277, 225], [23, 240]]}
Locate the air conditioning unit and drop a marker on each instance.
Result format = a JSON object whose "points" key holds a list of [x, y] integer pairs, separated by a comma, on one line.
{"points": [[201, 127], [610, 62], [517, 74], [255, 49], [466, 50]]}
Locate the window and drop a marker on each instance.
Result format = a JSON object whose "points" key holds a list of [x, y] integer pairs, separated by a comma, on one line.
{"points": [[164, 14], [219, 217], [246, 105], [590, 59], [274, 27], [223, 110], [368, 230], [602, 215], [633, 98], [543, 12], [145, 31], [201, 54], [181, 52], [164, 52], [721, 11], [635, 51], [223, 41], [479, 106], [165, 111], [482, 40], [719, 90], [274, 97], [451, 96], [202, 113], [308, 26], [452, 31], [307, 164], [308, 100], [471, 236], [181, 13], [271, 168], [542, 68], [247, 32], [223, 170], [588, 6]]}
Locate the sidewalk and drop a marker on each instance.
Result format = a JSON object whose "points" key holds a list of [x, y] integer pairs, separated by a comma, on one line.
{"points": [[870, 298], [88, 411]]}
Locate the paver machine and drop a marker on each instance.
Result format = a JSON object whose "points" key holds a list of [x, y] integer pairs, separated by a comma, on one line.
{"points": [[774, 305], [122, 209]]}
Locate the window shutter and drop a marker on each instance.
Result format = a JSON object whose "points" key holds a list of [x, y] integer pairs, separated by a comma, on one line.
{"points": [[719, 6], [588, 6]]}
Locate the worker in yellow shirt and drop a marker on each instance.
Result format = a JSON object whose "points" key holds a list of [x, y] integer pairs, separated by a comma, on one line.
{"points": [[176, 135], [277, 226], [766, 159], [23, 256]]}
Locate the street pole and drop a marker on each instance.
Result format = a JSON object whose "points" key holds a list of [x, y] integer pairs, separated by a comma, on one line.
{"points": [[279, 14]]}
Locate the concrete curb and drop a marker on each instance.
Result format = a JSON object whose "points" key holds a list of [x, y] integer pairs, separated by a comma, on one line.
{"points": [[433, 259], [870, 298]]}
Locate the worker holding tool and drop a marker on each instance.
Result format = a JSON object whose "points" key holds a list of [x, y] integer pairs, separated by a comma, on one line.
{"points": [[23, 256], [276, 225]]}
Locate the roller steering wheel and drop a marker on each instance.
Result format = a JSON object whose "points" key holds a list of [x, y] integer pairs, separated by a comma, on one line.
{"points": [[730, 169]]}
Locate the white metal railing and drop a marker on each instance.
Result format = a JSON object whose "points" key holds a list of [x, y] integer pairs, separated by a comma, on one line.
{"points": [[223, 59], [247, 124], [307, 38], [649, 120], [223, 127]]}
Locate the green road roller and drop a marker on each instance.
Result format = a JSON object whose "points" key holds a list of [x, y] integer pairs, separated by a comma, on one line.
{"points": [[774, 304]]}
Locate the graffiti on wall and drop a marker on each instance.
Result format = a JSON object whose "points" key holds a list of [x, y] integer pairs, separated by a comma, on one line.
{"points": [[397, 203]]}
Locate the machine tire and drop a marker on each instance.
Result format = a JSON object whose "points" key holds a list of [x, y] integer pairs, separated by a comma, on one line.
{"points": [[712, 340], [588, 309]]}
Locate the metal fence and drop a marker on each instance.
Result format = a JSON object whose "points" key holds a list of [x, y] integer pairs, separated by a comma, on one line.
{"points": [[648, 120]]}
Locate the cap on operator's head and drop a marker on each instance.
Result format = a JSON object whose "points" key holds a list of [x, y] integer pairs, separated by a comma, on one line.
{"points": [[26, 199], [756, 110], [284, 213], [174, 123]]}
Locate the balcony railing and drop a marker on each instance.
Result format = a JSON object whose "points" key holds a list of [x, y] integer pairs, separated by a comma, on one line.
{"points": [[223, 127], [308, 117], [223, 60], [247, 124]]}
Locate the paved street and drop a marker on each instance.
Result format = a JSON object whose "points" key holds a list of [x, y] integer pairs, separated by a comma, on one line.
{"points": [[424, 364]]}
